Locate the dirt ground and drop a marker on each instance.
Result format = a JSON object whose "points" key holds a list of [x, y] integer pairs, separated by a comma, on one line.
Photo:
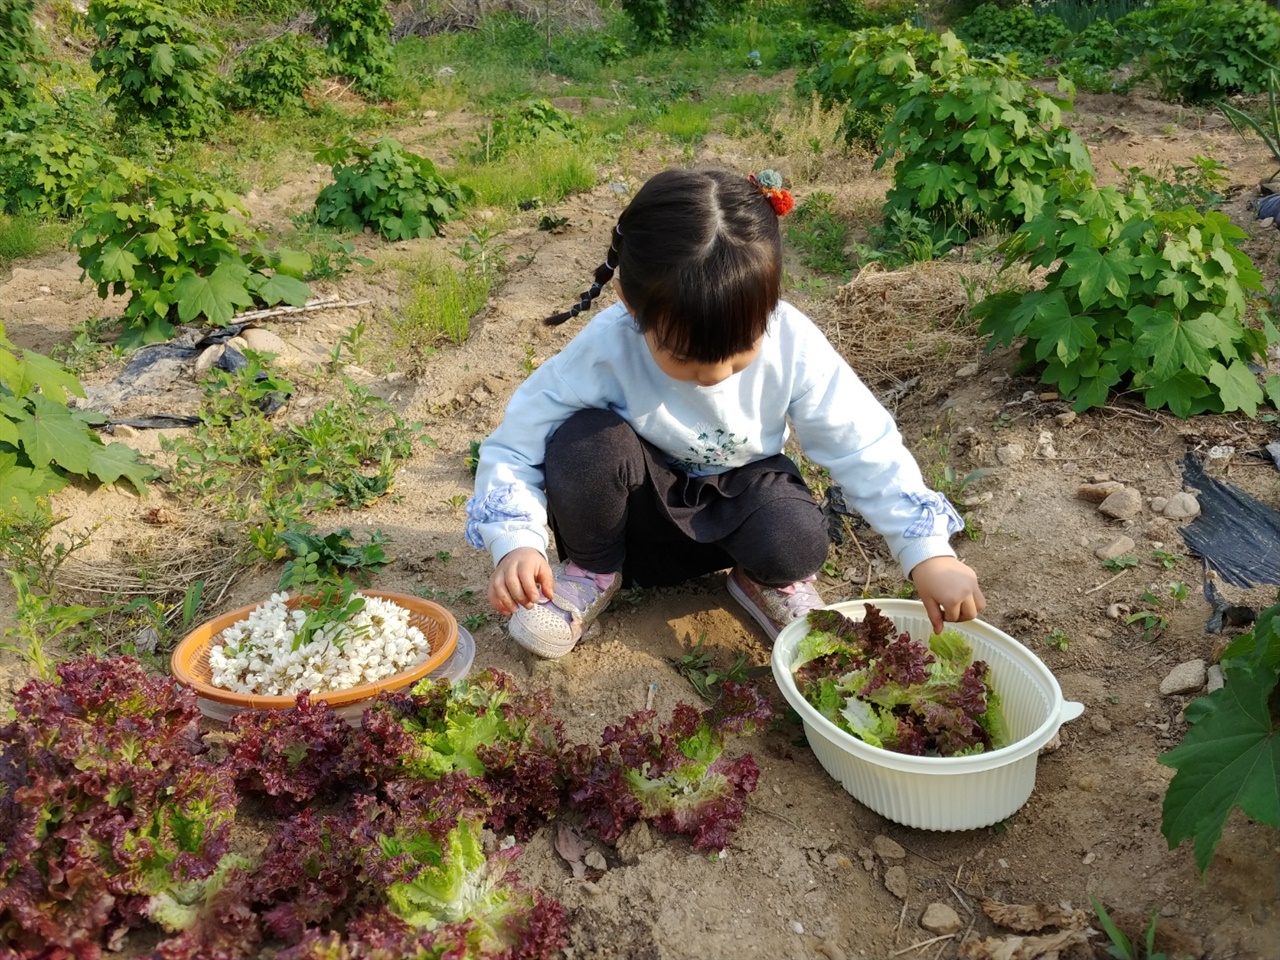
{"points": [[805, 875]]}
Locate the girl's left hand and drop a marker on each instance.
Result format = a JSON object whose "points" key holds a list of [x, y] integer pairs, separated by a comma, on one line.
{"points": [[949, 590]]}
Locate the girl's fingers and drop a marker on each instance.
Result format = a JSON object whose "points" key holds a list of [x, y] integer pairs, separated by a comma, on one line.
{"points": [[528, 579], [934, 609], [546, 580], [980, 602], [499, 598]]}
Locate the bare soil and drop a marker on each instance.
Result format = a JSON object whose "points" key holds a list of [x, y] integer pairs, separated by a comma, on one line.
{"points": [[800, 878]]}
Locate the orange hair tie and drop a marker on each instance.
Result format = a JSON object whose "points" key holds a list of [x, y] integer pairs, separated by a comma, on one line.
{"points": [[769, 183]]}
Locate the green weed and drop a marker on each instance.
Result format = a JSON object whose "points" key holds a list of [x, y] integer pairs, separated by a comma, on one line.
{"points": [[819, 234], [437, 302], [541, 171], [1120, 563], [25, 236]]}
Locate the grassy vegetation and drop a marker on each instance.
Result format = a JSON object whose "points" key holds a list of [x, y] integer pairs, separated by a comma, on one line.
{"points": [[28, 237], [437, 302]]}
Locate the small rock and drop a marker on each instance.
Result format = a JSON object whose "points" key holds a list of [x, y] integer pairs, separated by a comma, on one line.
{"points": [[396, 376], [1088, 783], [264, 341], [620, 188], [595, 860], [1118, 610], [838, 861], [887, 849], [1010, 453], [1100, 724], [1184, 678], [940, 919], [1089, 858], [1181, 506], [592, 888], [239, 343], [829, 950], [865, 855], [1053, 746], [206, 360], [45, 289], [145, 640], [1097, 492], [1214, 680], [1066, 419], [797, 927], [1003, 862], [1157, 506], [1099, 477], [895, 881], [123, 431], [968, 370], [1045, 447], [1169, 910], [1224, 452], [1121, 505], [978, 499], [1117, 548], [1049, 395]]}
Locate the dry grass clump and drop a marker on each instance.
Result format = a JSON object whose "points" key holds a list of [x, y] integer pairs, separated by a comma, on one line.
{"points": [[803, 140], [894, 326]]}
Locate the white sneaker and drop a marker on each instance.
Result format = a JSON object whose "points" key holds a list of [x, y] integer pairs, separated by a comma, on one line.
{"points": [[551, 628]]}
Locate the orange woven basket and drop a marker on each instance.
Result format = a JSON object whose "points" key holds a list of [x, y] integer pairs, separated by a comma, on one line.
{"points": [[190, 661]]}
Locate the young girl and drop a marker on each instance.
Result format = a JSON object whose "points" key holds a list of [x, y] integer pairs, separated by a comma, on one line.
{"points": [[652, 444]]}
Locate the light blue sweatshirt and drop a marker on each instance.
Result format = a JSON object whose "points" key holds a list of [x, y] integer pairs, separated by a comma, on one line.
{"points": [[706, 430]]}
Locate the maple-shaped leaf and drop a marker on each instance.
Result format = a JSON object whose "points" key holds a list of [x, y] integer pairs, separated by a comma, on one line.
{"points": [[116, 263], [1237, 386], [52, 434], [1095, 273], [1229, 758], [111, 461], [214, 297], [1184, 394], [1172, 343], [21, 486], [1058, 330], [282, 288], [51, 377]]}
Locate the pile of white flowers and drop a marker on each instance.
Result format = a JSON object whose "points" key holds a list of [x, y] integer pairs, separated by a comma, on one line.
{"points": [[256, 655]]}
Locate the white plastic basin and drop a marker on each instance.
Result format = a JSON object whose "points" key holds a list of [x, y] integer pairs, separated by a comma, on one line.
{"points": [[939, 793]]}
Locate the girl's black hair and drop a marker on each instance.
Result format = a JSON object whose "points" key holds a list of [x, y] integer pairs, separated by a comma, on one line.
{"points": [[700, 255]]}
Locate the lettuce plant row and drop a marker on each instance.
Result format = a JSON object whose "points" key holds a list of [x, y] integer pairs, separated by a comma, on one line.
{"points": [[117, 812]]}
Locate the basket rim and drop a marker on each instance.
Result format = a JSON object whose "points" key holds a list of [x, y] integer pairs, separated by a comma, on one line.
{"points": [[200, 637], [1060, 709]]}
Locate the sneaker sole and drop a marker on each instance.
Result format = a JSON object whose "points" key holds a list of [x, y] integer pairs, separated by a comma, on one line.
{"points": [[536, 645], [757, 614]]}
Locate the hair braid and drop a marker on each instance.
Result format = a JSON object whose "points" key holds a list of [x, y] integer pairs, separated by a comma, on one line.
{"points": [[604, 273]]}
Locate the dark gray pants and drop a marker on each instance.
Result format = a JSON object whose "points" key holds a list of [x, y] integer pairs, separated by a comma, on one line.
{"points": [[615, 504]]}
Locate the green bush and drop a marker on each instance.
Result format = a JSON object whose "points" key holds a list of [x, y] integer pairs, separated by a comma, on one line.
{"points": [[1137, 297], [397, 193], [527, 123], [1199, 50], [180, 249], [664, 22], [154, 66], [992, 29], [20, 47], [48, 158], [858, 15], [359, 33], [271, 75], [41, 441], [973, 144]]}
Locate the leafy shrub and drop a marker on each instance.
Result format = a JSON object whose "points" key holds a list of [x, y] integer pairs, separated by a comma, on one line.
{"points": [[154, 66], [992, 29], [1142, 298], [271, 75], [820, 234], [41, 441], [397, 193], [20, 47], [1198, 185], [664, 22], [975, 144], [869, 74], [48, 160], [857, 14], [106, 807], [527, 123], [359, 33], [1097, 45], [1202, 49], [181, 250], [1229, 754]]}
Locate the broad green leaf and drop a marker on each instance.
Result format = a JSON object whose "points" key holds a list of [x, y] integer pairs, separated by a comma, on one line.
{"points": [[284, 288], [21, 486], [1230, 757], [161, 60], [214, 297], [54, 435], [1171, 343], [1095, 273], [50, 376], [116, 263], [111, 461], [1184, 394], [1058, 330], [1237, 386]]}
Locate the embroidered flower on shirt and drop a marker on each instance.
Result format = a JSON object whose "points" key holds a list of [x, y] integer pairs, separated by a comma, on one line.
{"points": [[938, 517], [496, 507], [713, 447]]}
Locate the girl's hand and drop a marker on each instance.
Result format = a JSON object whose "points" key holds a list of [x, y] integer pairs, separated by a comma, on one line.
{"points": [[949, 590], [521, 579]]}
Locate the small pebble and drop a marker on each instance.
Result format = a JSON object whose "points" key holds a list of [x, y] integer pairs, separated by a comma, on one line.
{"points": [[1186, 677], [1214, 679], [968, 370], [1121, 505], [887, 849], [1181, 506], [1157, 506], [45, 289], [1100, 724], [1010, 453], [1097, 492], [1117, 548], [1118, 610], [595, 860], [940, 919], [592, 888], [1003, 862], [1065, 419], [1089, 858], [797, 927], [895, 881]]}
